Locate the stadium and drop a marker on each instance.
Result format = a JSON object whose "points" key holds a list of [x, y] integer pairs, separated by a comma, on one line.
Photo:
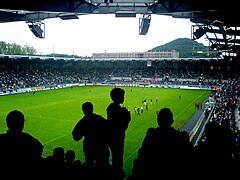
{"points": [[56, 89], [202, 93]]}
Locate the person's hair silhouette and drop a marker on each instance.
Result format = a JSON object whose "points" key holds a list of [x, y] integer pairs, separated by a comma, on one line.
{"points": [[165, 117], [87, 108], [15, 121], [117, 95]]}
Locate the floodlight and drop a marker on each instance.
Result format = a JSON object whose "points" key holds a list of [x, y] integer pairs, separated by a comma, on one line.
{"points": [[144, 23], [199, 33], [37, 28]]}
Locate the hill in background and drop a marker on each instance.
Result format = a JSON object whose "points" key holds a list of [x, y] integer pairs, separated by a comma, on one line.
{"points": [[187, 48]]}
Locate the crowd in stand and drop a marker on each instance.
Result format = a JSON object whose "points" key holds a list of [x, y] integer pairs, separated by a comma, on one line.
{"points": [[218, 148], [165, 151], [15, 74]]}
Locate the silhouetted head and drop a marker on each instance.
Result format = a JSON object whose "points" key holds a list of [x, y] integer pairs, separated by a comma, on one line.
{"points": [[213, 130], [58, 153], [165, 117], [15, 121], [117, 95], [87, 108], [70, 156]]}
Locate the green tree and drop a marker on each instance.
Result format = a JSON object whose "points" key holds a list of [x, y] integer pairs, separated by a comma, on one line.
{"points": [[3, 47], [28, 50], [15, 49]]}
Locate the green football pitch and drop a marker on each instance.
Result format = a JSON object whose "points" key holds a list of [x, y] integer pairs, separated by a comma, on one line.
{"points": [[51, 115]]}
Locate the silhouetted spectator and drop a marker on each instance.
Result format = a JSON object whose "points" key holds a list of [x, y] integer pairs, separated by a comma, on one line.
{"points": [[20, 152], [118, 119], [73, 167], [187, 149], [212, 151], [54, 164], [93, 128], [160, 155], [69, 157]]}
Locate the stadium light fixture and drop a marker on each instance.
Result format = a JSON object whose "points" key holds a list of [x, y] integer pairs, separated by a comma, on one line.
{"points": [[144, 23], [37, 28], [198, 33]]}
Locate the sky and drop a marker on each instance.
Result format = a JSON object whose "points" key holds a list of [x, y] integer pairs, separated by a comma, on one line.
{"points": [[98, 33]]}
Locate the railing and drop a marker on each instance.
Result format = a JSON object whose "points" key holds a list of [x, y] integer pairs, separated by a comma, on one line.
{"points": [[198, 130]]}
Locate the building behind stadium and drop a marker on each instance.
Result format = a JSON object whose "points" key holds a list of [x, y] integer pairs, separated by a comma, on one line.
{"points": [[136, 55]]}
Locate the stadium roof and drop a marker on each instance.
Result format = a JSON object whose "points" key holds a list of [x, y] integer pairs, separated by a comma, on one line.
{"points": [[217, 19]]}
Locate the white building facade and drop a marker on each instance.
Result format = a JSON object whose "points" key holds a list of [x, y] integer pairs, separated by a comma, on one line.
{"points": [[136, 55]]}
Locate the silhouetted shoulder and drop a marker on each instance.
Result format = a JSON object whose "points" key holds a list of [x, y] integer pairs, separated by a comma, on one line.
{"points": [[151, 131], [98, 116], [112, 107]]}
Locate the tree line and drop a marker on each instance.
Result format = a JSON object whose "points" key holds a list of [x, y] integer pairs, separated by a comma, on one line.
{"points": [[15, 49]]}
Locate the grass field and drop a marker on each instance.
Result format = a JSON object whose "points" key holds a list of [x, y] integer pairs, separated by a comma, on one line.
{"points": [[51, 115]]}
